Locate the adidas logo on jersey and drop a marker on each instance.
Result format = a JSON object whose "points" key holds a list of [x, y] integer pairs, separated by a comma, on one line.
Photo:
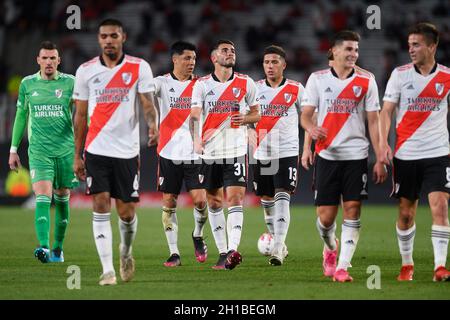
{"points": [[364, 193], [96, 80], [210, 93], [135, 194], [241, 179], [171, 90], [328, 89], [410, 87], [34, 94], [262, 97]]}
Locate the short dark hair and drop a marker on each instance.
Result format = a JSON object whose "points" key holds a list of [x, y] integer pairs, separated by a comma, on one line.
{"points": [[276, 50], [221, 41], [345, 35], [47, 45], [179, 46], [111, 22], [427, 30]]}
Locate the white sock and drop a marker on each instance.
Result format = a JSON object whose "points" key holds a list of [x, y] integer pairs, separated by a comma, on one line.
{"points": [[268, 206], [328, 234], [439, 237], [234, 226], [101, 226], [170, 224], [406, 244], [200, 217], [127, 232], [282, 218], [349, 240], [217, 222]]}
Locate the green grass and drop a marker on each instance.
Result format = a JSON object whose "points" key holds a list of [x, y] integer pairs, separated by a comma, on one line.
{"points": [[23, 277]]}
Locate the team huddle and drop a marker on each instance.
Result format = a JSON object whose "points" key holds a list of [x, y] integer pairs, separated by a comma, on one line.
{"points": [[207, 131]]}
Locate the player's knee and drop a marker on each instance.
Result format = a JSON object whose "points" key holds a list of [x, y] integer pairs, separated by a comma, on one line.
{"points": [[439, 209], [169, 201], [62, 192], [199, 203], [214, 203], [235, 200]]}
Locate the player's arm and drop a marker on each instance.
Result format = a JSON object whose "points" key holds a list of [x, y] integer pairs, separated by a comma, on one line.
{"points": [[194, 128], [379, 170], [307, 122], [253, 115], [80, 130], [148, 105], [20, 123], [307, 154], [385, 125]]}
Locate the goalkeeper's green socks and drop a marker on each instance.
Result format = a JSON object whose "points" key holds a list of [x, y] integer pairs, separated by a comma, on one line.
{"points": [[61, 219], [42, 219]]}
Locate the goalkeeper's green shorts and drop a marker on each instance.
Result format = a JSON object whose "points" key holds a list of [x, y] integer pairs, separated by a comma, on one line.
{"points": [[58, 170]]}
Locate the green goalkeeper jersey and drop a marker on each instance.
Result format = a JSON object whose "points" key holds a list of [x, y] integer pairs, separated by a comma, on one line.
{"points": [[47, 107]]}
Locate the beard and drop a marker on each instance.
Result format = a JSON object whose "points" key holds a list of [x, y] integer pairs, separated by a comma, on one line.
{"points": [[228, 64]]}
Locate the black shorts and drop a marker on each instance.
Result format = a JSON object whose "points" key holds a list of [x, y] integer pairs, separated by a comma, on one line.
{"points": [[428, 175], [335, 178], [119, 177], [269, 175], [172, 173], [218, 173]]}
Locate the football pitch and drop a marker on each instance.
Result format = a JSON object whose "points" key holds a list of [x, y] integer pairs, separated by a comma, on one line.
{"points": [[300, 277]]}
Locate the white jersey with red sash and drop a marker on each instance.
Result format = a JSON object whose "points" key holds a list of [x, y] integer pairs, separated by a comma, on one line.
{"points": [[278, 128], [422, 107], [341, 107], [174, 99], [112, 104], [218, 100]]}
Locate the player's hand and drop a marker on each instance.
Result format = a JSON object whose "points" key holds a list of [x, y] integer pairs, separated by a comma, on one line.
{"points": [[153, 137], [252, 139], [198, 147], [14, 161], [318, 133], [380, 172], [307, 159], [79, 169], [385, 154], [237, 119]]}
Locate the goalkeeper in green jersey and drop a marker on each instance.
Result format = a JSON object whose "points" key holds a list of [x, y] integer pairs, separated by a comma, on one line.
{"points": [[45, 103]]}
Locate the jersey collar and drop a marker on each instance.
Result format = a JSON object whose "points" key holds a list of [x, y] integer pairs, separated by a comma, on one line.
{"points": [[217, 79], [432, 70], [175, 78], [280, 85], [118, 62], [335, 74], [39, 77]]}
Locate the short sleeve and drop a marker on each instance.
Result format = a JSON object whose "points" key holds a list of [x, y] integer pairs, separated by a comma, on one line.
{"points": [[250, 96], [372, 101], [197, 95], [81, 89], [145, 81], [311, 93], [392, 93]]}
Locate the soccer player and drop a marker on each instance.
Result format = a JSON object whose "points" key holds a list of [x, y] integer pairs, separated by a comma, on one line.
{"points": [[419, 92], [177, 160], [45, 102], [277, 147], [225, 102], [342, 95], [106, 91]]}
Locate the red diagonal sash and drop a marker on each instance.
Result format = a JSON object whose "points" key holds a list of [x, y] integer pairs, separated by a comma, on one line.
{"points": [[104, 111], [411, 120], [335, 121], [268, 122], [174, 119], [214, 120]]}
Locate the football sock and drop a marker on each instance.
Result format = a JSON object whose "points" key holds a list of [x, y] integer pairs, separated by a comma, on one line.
{"points": [[268, 206], [328, 234], [235, 220], [439, 237], [200, 217], [406, 244], [101, 226], [42, 220], [217, 222], [349, 240], [170, 223], [62, 211], [282, 218], [127, 232]]}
